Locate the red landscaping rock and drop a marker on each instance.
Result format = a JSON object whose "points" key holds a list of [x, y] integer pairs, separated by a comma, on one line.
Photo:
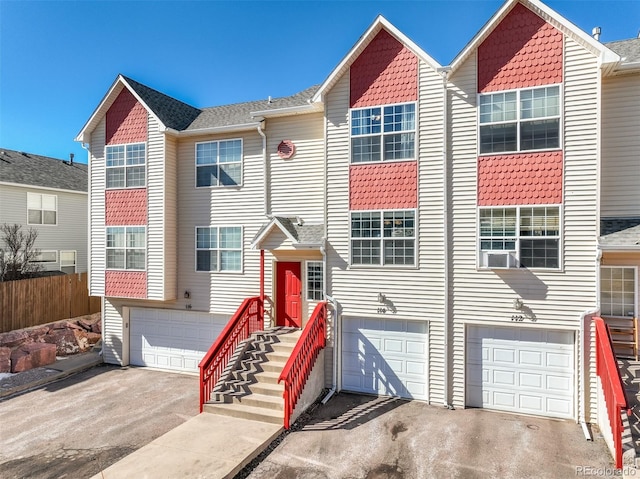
{"points": [[5, 360], [97, 328], [32, 355], [64, 340], [93, 337], [13, 338]]}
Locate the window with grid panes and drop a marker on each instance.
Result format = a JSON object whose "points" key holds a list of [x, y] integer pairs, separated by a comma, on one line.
{"points": [[125, 165], [618, 291], [126, 247], [315, 280], [219, 248], [219, 163], [383, 238]]}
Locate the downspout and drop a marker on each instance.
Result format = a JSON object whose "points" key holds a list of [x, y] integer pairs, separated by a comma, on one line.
{"points": [[444, 72], [585, 324], [264, 168]]}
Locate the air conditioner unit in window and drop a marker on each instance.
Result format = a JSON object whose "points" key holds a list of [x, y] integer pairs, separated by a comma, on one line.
{"points": [[498, 260]]}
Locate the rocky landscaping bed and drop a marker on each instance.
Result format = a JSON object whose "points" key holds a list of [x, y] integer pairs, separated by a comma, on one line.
{"points": [[38, 346]]}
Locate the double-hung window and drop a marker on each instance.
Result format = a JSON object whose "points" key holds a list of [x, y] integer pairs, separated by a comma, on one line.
{"points": [[383, 133], [528, 237], [219, 163], [42, 209], [218, 248], [618, 291], [126, 165], [126, 248], [383, 238], [520, 120]]}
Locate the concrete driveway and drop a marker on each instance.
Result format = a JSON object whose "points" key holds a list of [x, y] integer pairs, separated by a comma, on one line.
{"points": [[78, 426], [357, 436]]}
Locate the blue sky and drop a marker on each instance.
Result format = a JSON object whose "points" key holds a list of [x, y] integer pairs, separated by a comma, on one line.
{"points": [[58, 58]]}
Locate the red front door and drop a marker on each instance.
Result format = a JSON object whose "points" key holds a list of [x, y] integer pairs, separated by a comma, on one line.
{"points": [[288, 295]]}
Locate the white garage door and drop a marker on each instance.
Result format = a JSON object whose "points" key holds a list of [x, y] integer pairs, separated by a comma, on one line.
{"points": [[171, 339], [386, 357], [521, 370]]}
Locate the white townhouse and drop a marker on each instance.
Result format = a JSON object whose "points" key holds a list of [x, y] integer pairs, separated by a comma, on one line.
{"points": [[450, 214]]}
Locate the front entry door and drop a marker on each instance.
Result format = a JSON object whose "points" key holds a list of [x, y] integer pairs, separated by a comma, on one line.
{"points": [[288, 294]]}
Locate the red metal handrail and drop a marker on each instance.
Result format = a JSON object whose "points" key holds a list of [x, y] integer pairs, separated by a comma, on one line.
{"points": [[609, 374], [246, 320], [298, 368]]}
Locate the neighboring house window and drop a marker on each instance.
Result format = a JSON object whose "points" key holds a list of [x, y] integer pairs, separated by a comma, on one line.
{"points": [[315, 280], [524, 236], [618, 291], [383, 133], [68, 262], [126, 247], [218, 248], [44, 257], [520, 120], [126, 165], [219, 163], [383, 238], [42, 209]]}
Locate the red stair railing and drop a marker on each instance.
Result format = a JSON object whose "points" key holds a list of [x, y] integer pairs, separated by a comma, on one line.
{"points": [[246, 320], [298, 368], [609, 374]]}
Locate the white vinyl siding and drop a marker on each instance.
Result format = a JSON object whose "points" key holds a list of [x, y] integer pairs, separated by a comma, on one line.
{"points": [[97, 211], [620, 165], [170, 275], [71, 230], [158, 199], [411, 291], [296, 185], [220, 293], [114, 339]]}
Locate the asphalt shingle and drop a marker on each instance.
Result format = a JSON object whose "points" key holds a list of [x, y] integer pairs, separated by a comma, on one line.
{"points": [[629, 50], [620, 231], [37, 170]]}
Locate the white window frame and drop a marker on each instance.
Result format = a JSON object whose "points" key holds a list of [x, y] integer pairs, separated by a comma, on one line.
{"points": [[30, 197], [125, 167], [518, 238], [219, 250], [604, 312], [217, 163], [126, 248], [308, 279], [43, 262], [382, 239], [75, 260], [518, 121], [382, 133]]}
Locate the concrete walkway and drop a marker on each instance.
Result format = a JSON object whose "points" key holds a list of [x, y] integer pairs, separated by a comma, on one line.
{"points": [[206, 446]]}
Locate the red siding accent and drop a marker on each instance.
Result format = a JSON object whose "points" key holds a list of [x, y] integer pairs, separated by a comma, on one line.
{"points": [[126, 207], [125, 284], [383, 186], [531, 178], [385, 72], [523, 51], [126, 120]]}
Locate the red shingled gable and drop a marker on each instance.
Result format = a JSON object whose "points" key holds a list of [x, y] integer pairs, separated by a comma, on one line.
{"points": [[125, 284], [383, 186], [525, 179], [523, 51], [385, 72], [126, 207], [126, 120]]}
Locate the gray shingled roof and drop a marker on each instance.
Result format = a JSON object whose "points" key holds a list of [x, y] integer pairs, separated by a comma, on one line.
{"points": [[171, 112], [37, 170], [240, 113], [181, 116], [620, 231], [304, 234], [629, 50]]}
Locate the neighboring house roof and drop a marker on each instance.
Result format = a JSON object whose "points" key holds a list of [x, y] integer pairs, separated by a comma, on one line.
{"points": [[620, 233], [629, 50], [41, 171], [608, 58], [298, 232]]}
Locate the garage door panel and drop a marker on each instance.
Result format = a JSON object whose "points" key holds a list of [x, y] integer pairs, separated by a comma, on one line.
{"points": [[171, 339], [540, 379], [385, 357]]}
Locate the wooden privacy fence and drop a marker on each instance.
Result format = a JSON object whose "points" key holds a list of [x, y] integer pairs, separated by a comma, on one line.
{"points": [[31, 302]]}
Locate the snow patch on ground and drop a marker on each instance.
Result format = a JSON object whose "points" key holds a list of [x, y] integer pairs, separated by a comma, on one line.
{"points": [[5, 375]]}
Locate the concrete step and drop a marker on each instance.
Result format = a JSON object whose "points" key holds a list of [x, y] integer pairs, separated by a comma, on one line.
{"points": [[258, 377], [268, 389], [278, 356], [245, 412], [273, 403]]}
